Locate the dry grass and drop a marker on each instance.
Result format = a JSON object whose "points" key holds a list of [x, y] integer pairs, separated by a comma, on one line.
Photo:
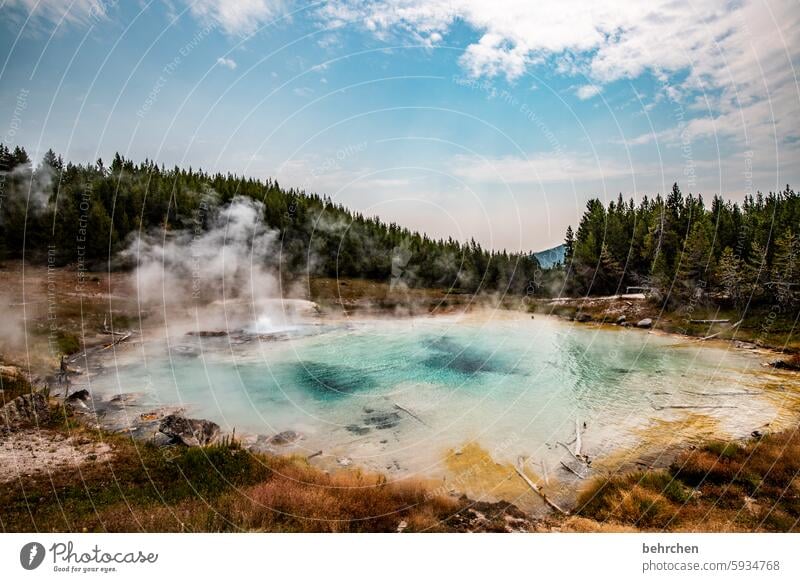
{"points": [[719, 487], [753, 486], [298, 498], [13, 383], [140, 487], [301, 498], [378, 296]]}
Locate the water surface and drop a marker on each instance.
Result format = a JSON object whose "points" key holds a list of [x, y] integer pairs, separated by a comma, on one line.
{"points": [[398, 395]]}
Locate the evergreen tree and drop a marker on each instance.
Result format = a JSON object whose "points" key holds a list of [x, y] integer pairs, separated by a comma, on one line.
{"points": [[785, 279], [730, 275], [569, 245], [695, 263]]}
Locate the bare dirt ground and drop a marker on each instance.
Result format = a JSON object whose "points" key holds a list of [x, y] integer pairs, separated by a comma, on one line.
{"points": [[25, 453], [45, 312]]}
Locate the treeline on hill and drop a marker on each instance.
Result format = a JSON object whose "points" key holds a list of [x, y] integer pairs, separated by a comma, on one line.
{"points": [[743, 255], [91, 211]]}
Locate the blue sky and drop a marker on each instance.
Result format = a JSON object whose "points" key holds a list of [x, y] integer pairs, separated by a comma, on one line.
{"points": [[457, 117]]}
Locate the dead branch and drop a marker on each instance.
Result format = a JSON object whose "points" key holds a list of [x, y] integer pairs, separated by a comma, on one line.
{"points": [[108, 330], [119, 340], [544, 473], [538, 490], [713, 335], [571, 470], [577, 437], [573, 455]]}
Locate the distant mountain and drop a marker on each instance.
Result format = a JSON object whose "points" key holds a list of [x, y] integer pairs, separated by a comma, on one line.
{"points": [[550, 257]]}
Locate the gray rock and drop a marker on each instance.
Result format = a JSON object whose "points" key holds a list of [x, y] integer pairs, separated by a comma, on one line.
{"points": [[382, 420], [286, 437], [645, 323], [583, 317], [357, 429], [744, 345], [792, 364], [124, 398], [621, 319], [26, 409], [82, 395], [78, 399], [192, 432], [159, 439]]}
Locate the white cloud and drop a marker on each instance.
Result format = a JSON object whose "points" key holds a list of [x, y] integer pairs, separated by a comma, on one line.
{"points": [[226, 62], [329, 41], [587, 91], [236, 17], [493, 56], [739, 55], [57, 12], [544, 168], [668, 137]]}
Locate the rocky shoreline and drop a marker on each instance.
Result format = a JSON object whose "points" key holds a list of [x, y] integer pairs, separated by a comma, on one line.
{"points": [[166, 425], [32, 445]]}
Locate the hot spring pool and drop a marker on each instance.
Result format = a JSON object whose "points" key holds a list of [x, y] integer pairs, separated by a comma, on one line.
{"points": [[431, 396]]}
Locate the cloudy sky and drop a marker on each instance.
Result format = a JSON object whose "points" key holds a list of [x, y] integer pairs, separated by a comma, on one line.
{"points": [[462, 118]]}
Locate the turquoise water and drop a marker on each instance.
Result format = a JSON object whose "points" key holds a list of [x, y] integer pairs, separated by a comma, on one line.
{"points": [[395, 395]]}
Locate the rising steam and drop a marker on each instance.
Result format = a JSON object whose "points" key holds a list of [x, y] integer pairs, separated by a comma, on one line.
{"points": [[224, 268]]}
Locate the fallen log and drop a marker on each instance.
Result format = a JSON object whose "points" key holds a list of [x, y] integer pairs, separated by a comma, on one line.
{"points": [[709, 320], [538, 490], [119, 340], [108, 330], [577, 437], [571, 470], [713, 335], [573, 455]]}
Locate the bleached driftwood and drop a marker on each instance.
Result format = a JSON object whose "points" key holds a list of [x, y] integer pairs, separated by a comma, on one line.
{"points": [[108, 330], [709, 320], [573, 455], [119, 340], [713, 335], [571, 470], [411, 414], [537, 489]]}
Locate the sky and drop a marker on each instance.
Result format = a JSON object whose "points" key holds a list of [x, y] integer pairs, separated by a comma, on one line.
{"points": [[465, 118]]}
